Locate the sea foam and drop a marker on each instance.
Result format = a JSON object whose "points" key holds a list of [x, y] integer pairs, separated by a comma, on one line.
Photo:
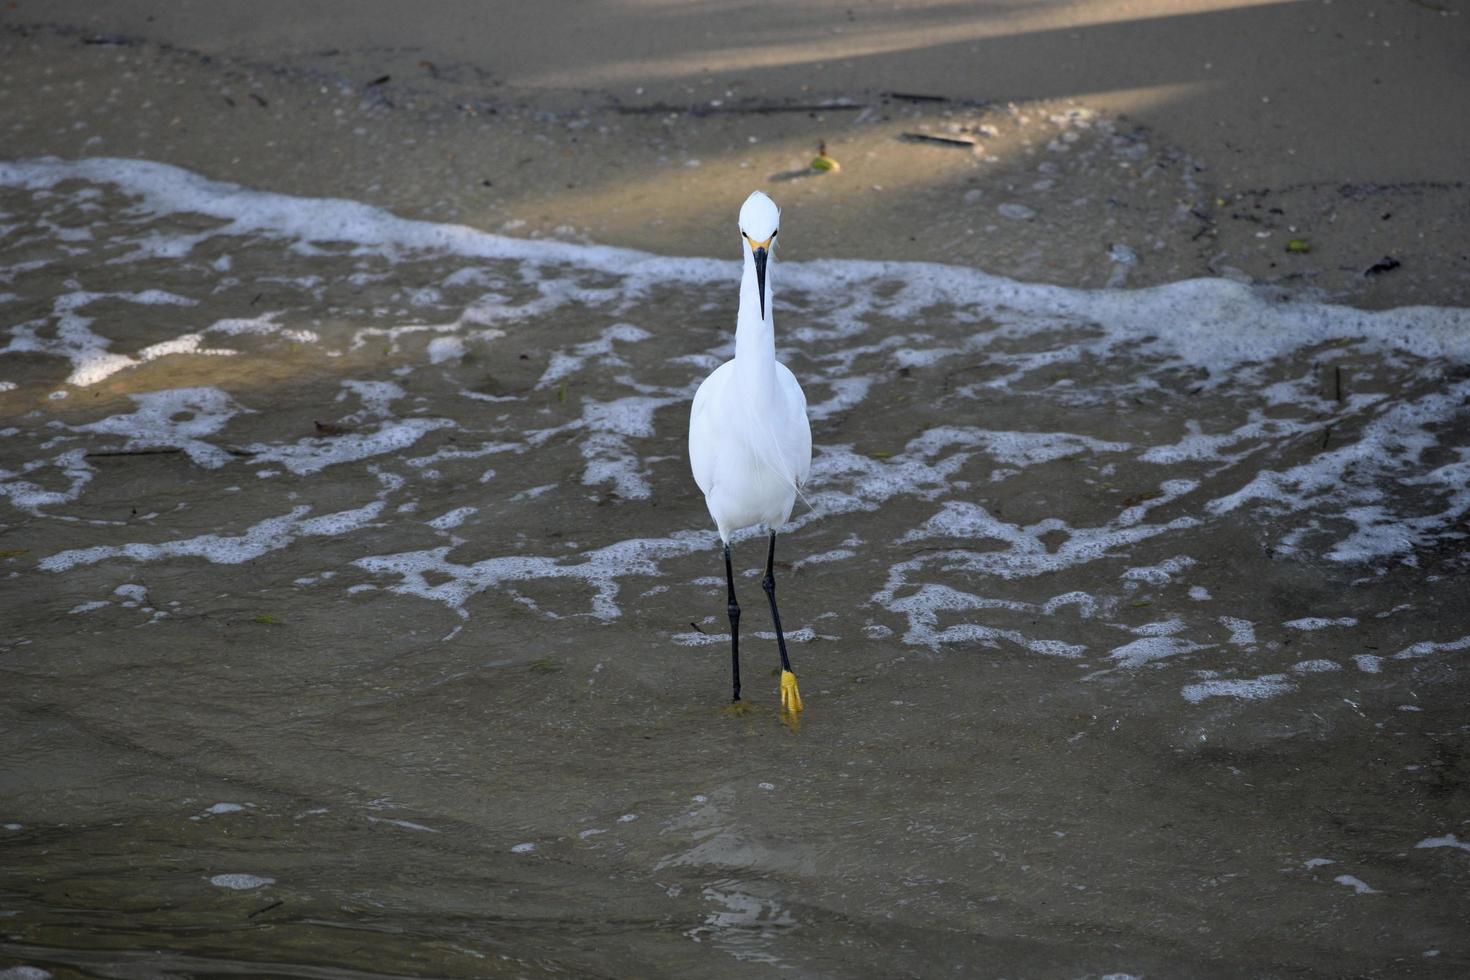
{"points": [[1034, 388]]}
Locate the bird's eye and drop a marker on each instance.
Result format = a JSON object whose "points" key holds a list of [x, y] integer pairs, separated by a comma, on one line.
{"points": [[775, 233]]}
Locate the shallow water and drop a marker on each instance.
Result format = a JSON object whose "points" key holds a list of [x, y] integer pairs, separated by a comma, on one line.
{"points": [[361, 614]]}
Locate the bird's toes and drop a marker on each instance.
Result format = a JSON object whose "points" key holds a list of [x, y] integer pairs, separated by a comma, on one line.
{"points": [[790, 693]]}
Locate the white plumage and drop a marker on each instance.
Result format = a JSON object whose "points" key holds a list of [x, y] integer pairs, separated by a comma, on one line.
{"points": [[750, 444]]}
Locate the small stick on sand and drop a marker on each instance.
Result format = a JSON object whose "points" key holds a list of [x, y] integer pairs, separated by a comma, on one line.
{"points": [[160, 451], [941, 140], [761, 109], [157, 451]]}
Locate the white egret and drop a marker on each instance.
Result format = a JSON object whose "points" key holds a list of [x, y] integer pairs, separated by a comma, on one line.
{"points": [[750, 444]]}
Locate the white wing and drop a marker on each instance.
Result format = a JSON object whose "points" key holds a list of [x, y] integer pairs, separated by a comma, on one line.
{"points": [[704, 438], [786, 444], [795, 436]]}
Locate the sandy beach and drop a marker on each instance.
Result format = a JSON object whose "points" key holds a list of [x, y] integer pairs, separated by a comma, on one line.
{"points": [[361, 618], [1252, 124]]}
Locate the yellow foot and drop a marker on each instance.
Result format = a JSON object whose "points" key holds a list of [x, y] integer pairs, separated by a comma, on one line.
{"points": [[790, 695], [739, 709]]}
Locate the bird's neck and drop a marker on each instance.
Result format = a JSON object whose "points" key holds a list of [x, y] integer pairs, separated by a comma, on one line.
{"points": [[755, 336]]}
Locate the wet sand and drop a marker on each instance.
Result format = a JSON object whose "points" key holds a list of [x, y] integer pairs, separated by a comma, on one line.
{"points": [[1170, 725]]}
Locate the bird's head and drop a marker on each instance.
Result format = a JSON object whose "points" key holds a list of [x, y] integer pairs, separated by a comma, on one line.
{"points": [[760, 219]]}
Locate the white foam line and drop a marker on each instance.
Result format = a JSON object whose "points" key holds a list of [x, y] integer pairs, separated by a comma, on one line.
{"points": [[837, 554], [241, 882], [1449, 840], [601, 569], [74, 339], [605, 447], [312, 455], [1208, 322], [1012, 448], [1318, 666], [1242, 631], [31, 497], [847, 393], [1425, 648], [453, 518], [1253, 689], [690, 639], [1148, 649], [1196, 446], [449, 452], [1317, 623], [564, 364], [1358, 885], [405, 824], [1394, 440], [376, 397], [1163, 627], [923, 607], [1026, 553], [220, 808], [177, 417], [271, 534], [1161, 574], [869, 482]]}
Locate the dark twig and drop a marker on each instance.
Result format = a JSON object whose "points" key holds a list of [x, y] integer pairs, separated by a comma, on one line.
{"points": [[938, 99], [759, 109], [916, 97], [1386, 264], [156, 451], [941, 140], [266, 908], [161, 451]]}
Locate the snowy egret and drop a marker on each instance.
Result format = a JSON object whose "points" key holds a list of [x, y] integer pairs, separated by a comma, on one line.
{"points": [[750, 444]]}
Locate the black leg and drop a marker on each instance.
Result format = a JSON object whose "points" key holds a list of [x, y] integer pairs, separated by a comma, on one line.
{"points": [[769, 584], [790, 695], [733, 608]]}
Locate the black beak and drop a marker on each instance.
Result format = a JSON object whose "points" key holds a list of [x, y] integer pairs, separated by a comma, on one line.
{"points": [[760, 278]]}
